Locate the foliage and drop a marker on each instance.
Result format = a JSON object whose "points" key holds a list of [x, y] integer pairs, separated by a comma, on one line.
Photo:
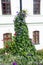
{"points": [[2, 51], [23, 46], [20, 50], [40, 53]]}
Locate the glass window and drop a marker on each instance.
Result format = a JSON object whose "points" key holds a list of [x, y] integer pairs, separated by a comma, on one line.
{"points": [[35, 37], [36, 6], [6, 7]]}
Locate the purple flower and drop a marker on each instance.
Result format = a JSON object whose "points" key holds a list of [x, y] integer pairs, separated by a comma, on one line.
{"points": [[17, 12], [40, 64], [14, 63]]}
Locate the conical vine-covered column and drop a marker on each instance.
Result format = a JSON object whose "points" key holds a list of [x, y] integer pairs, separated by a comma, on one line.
{"points": [[23, 46]]}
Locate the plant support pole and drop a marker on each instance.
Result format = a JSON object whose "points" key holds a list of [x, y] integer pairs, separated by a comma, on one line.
{"points": [[20, 5]]}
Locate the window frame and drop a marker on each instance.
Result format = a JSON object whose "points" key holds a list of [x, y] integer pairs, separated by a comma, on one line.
{"points": [[36, 6], [6, 11], [35, 37]]}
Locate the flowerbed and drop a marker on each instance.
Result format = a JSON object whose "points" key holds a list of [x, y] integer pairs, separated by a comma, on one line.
{"points": [[8, 59]]}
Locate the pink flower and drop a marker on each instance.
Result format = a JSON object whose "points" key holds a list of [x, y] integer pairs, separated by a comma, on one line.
{"points": [[15, 34]]}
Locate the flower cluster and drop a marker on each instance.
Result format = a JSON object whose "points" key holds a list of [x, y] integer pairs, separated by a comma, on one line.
{"points": [[14, 63]]}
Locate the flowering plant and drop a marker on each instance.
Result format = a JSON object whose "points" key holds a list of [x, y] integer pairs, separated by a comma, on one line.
{"points": [[20, 51]]}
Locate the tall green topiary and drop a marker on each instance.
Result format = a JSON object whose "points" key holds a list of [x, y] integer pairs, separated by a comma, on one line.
{"points": [[23, 45], [20, 51]]}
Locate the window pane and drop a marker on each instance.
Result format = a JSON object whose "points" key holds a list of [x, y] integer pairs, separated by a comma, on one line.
{"points": [[6, 7], [3, 0], [3, 4], [36, 6], [35, 37], [7, 37], [7, 0], [4, 12], [37, 0]]}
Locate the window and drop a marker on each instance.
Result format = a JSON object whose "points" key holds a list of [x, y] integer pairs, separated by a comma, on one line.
{"points": [[7, 37], [6, 7], [36, 6], [35, 37]]}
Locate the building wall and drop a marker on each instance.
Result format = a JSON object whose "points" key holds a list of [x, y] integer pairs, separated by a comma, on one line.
{"points": [[34, 27], [31, 20], [28, 5]]}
